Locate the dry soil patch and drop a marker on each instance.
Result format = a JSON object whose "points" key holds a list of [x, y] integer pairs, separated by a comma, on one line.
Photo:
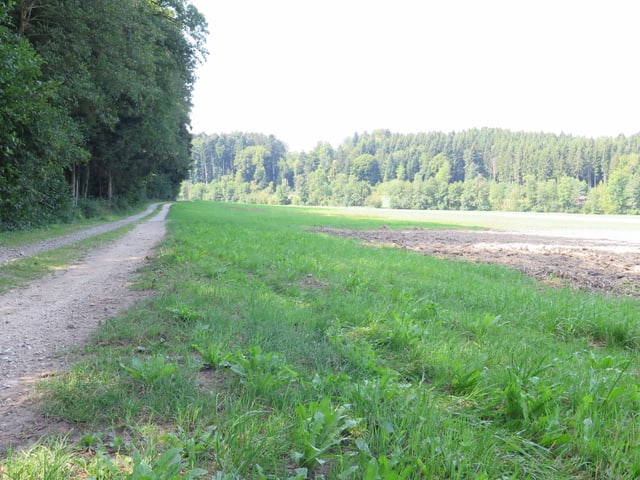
{"points": [[611, 266]]}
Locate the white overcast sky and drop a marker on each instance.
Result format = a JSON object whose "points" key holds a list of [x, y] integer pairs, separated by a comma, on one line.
{"points": [[321, 70]]}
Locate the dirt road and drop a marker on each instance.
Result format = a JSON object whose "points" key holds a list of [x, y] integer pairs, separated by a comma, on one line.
{"points": [[16, 253], [58, 312]]}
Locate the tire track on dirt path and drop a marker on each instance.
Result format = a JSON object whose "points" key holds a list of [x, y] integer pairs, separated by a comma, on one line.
{"points": [[58, 312], [10, 254]]}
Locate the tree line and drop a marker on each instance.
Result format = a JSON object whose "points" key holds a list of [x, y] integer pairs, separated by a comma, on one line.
{"points": [[477, 169], [95, 98]]}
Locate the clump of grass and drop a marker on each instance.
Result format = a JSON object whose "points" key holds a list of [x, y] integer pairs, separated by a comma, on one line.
{"points": [[150, 370], [319, 428], [184, 313]]}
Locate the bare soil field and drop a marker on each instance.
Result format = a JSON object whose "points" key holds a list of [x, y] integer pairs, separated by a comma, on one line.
{"points": [[606, 265]]}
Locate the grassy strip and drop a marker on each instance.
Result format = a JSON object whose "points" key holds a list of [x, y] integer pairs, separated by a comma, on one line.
{"points": [[20, 272], [271, 352]]}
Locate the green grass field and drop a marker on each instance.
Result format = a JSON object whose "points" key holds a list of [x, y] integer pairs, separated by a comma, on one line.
{"points": [[272, 352]]}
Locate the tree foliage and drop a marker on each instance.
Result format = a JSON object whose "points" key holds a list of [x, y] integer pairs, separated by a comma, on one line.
{"points": [[479, 169], [37, 141], [95, 99]]}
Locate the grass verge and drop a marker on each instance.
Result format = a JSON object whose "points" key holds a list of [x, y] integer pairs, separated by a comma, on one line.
{"points": [[272, 352]]}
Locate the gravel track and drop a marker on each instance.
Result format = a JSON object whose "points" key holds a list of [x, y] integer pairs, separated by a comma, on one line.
{"points": [[41, 322], [9, 254]]}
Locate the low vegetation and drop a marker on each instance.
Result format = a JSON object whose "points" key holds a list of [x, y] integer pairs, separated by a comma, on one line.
{"points": [[272, 352]]}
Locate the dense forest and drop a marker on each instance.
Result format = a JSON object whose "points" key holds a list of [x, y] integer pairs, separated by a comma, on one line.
{"points": [[478, 169], [95, 97]]}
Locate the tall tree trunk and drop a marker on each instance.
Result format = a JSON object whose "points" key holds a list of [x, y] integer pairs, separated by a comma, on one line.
{"points": [[74, 184], [85, 183], [26, 15], [109, 186]]}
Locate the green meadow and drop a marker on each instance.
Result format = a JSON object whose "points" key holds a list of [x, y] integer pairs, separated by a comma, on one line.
{"points": [[271, 351]]}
